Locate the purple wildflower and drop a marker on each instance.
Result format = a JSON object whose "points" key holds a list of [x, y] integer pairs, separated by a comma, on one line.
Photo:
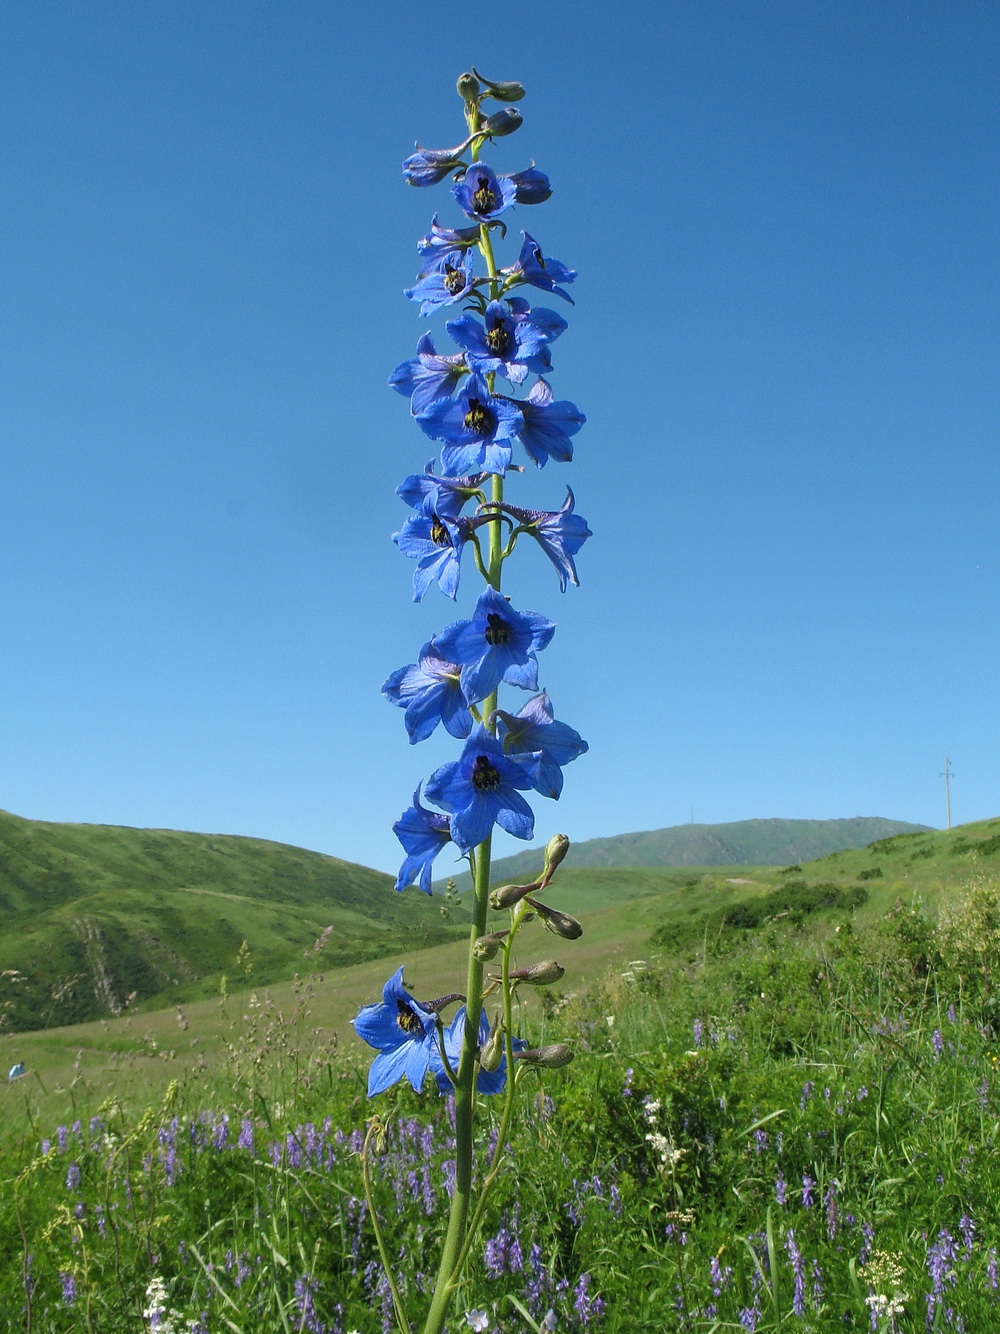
{"points": [[305, 1289], [968, 1234], [781, 1190], [699, 1032], [73, 1177], [937, 1042], [68, 1288], [799, 1271], [830, 1201]]}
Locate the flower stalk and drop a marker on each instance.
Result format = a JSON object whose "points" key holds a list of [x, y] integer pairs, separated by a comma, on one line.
{"points": [[456, 399]]}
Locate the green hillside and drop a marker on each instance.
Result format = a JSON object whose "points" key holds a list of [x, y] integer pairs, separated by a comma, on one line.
{"points": [[741, 843], [94, 918], [667, 916]]}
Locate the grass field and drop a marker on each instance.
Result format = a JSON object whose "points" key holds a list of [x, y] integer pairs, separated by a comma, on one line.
{"points": [[783, 1116]]}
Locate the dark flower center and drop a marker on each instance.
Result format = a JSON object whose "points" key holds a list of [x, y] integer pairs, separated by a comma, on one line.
{"points": [[454, 281], [484, 200], [407, 1018], [478, 419], [485, 778], [498, 339], [439, 533], [497, 630]]}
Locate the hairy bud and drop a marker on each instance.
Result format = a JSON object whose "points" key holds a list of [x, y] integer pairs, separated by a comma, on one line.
{"points": [[486, 947], [551, 1057], [557, 848], [539, 974], [468, 87], [559, 923], [492, 1052], [505, 91], [507, 895]]}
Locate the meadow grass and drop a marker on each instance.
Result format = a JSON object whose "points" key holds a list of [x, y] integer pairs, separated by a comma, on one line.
{"points": [[791, 1127]]}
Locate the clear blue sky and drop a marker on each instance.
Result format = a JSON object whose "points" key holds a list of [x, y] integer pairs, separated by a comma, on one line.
{"points": [[785, 218]]}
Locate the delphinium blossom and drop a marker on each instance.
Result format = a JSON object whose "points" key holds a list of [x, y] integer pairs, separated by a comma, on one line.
{"points": [[486, 401]]}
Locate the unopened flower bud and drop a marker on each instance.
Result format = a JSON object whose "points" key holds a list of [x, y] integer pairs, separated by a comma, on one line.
{"points": [[505, 91], [492, 1052], [551, 1057], [504, 121], [486, 947], [539, 974], [507, 895], [559, 923], [468, 87], [558, 846]]}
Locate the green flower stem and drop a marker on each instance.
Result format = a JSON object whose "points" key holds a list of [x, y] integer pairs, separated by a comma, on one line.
{"points": [[508, 1107]]}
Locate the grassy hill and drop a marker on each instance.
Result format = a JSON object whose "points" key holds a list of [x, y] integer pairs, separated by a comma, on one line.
{"points": [[655, 913], [92, 915], [740, 843]]}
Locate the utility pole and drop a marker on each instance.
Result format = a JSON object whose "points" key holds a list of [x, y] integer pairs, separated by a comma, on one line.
{"points": [[947, 776]]}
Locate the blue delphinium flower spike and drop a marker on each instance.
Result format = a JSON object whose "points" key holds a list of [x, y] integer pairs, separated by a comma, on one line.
{"points": [[531, 267], [404, 1034], [483, 788], [430, 692], [423, 834], [533, 730], [497, 644]]}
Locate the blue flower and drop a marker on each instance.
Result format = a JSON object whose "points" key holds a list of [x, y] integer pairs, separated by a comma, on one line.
{"points": [[532, 186], [404, 1033], [427, 376], [444, 243], [487, 1081], [480, 789], [445, 495], [547, 425], [513, 341], [430, 692], [533, 730], [497, 644], [483, 195], [560, 533], [474, 426], [423, 834], [435, 542], [445, 285], [530, 267], [427, 166]]}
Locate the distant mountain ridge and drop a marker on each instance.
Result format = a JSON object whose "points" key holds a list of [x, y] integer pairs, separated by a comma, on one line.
{"points": [[773, 842], [93, 917]]}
